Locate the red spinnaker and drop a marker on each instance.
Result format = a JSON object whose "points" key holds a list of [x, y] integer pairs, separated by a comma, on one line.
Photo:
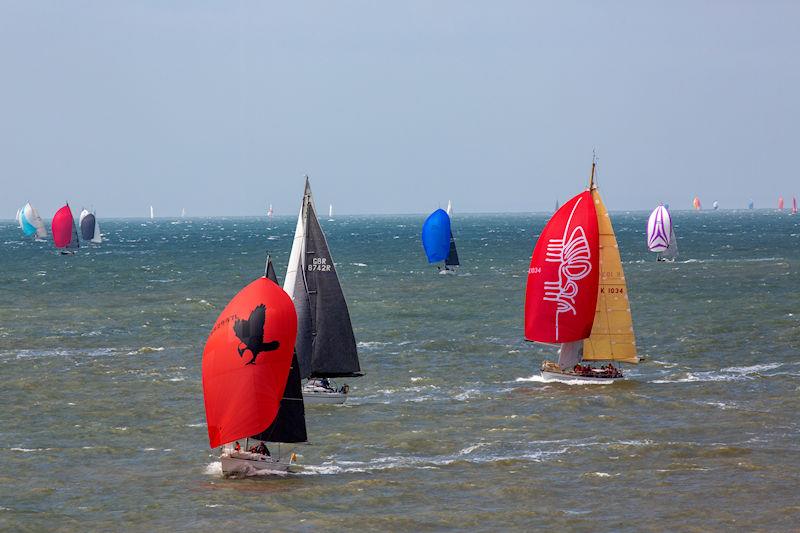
{"points": [[563, 278], [246, 362], [62, 227]]}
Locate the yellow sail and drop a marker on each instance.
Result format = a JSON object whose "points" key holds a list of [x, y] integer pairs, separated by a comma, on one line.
{"points": [[612, 337]]}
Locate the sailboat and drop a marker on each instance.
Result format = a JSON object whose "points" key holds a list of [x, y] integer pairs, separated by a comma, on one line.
{"points": [[326, 345], [31, 223], [330, 212], [270, 213], [576, 295], [183, 212], [696, 204], [659, 230], [780, 203], [152, 216], [65, 233], [794, 205], [251, 381], [90, 228], [715, 205], [751, 204], [438, 241]]}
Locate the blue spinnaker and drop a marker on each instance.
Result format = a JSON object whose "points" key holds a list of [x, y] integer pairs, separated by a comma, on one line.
{"points": [[27, 228], [436, 236]]}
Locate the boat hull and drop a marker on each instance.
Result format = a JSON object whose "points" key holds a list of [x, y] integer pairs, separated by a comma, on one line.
{"points": [[324, 398], [241, 465], [568, 376]]}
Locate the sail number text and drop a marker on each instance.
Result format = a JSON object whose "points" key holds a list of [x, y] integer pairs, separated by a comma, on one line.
{"points": [[319, 264]]}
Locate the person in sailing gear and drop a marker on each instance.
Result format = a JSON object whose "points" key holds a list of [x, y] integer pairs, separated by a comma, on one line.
{"points": [[263, 450], [238, 447]]}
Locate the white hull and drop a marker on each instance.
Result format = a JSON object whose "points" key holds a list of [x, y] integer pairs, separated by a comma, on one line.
{"points": [[330, 398], [244, 464]]}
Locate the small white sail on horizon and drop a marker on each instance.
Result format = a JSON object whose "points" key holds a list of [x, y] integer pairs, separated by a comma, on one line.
{"points": [[152, 215], [330, 211]]}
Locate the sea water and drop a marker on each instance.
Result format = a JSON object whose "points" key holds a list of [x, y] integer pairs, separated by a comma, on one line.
{"points": [[102, 423]]}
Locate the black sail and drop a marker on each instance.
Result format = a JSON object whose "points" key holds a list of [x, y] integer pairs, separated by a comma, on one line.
{"points": [[452, 255], [87, 227], [333, 350], [75, 241], [290, 422]]}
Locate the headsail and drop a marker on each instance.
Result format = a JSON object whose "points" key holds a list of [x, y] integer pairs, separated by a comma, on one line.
{"points": [[436, 236], [561, 292], [246, 362], [326, 345], [612, 335], [659, 228]]}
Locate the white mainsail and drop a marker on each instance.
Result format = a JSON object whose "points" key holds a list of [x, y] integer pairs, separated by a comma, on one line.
{"points": [[151, 213], [449, 208], [330, 210]]}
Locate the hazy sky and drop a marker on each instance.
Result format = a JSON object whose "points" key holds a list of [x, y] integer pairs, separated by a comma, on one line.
{"points": [[394, 107]]}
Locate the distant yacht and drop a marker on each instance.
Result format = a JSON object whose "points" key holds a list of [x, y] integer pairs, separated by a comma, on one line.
{"points": [[31, 223], [183, 212], [152, 215], [696, 204], [794, 205], [270, 213], [780, 203], [90, 229], [330, 211], [715, 205], [751, 205]]}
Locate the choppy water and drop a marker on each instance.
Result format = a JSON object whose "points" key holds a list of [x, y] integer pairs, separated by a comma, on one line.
{"points": [[102, 415]]}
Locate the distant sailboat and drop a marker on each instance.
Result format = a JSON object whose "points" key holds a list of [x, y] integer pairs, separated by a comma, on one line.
{"points": [[270, 213], [326, 345], [576, 294], [556, 209], [659, 230], [794, 205], [696, 204], [65, 233], [152, 216], [438, 241], [251, 397], [751, 205], [780, 203], [31, 223], [330, 211], [183, 212], [715, 205], [452, 253], [90, 228]]}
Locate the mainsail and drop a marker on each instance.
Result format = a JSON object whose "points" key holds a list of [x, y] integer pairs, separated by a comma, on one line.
{"points": [[247, 361], [326, 345], [290, 422], [65, 233], [612, 337], [672, 250], [452, 253]]}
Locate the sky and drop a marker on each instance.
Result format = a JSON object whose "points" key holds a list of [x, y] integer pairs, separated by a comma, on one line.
{"points": [[395, 107]]}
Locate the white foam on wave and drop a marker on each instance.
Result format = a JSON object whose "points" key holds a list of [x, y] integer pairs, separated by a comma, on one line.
{"points": [[358, 264], [213, 469], [732, 373], [19, 449], [147, 349]]}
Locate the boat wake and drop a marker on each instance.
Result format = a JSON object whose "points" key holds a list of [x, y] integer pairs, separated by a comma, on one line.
{"points": [[731, 373]]}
